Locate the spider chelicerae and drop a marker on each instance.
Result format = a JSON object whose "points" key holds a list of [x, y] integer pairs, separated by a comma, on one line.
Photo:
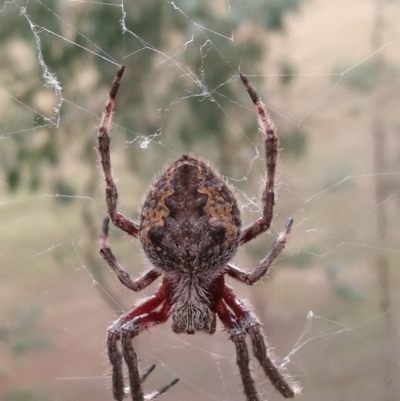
{"points": [[190, 229]]}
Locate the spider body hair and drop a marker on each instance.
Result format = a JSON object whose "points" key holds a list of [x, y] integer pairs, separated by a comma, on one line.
{"points": [[193, 301], [190, 222], [190, 229]]}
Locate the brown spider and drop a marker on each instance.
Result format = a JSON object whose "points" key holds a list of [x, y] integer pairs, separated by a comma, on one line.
{"points": [[190, 228]]}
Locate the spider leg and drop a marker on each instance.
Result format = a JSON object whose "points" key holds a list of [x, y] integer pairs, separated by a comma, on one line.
{"points": [[238, 336], [103, 139], [146, 373], [105, 251], [248, 321], [130, 330], [114, 334], [271, 152], [143, 316], [265, 264], [115, 358]]}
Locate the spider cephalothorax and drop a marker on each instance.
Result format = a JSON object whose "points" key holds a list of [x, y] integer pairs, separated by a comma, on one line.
{"points": [[190, 228]]}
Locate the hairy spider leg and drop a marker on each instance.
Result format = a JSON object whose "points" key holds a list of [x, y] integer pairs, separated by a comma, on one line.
{"points": [[271, 153], [123, 276], [130, 330], [103, 139], [269, 363], [238, 336], [125, 328], [262, 269]]}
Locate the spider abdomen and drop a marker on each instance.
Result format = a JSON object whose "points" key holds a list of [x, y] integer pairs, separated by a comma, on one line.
{"points": [[190, 220]]}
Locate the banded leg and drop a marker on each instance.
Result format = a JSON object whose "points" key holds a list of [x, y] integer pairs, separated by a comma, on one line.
{"points": [[103, 139], [238, 336], [129, 325], [129, 331], [269, 363], [123, 276], [271, 153], [262, 269]]}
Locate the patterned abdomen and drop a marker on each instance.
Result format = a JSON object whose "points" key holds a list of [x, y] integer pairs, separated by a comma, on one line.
{"points": [[190, 220]]}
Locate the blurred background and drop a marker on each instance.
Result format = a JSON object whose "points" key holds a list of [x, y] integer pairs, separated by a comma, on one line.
{"points": [[329, 73]]}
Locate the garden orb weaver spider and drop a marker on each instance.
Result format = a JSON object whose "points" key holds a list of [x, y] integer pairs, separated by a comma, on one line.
{"points": [[190, 228]]}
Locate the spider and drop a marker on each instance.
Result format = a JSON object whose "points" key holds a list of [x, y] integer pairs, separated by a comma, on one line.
{"points": [[190, 228]]}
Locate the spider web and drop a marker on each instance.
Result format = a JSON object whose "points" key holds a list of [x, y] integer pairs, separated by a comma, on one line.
{"points": [[331, 80]]}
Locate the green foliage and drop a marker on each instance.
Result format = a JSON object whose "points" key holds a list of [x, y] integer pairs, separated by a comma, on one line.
{"points": [[348, 293], [343, 290], [332, 272], [24, 394], [29, 343], [209, 59], [365, 77], [270, 13], [338, 176], [287, 73], [13, 178], [64, 191], [300, 260], [24, 334], [294, 142]]}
